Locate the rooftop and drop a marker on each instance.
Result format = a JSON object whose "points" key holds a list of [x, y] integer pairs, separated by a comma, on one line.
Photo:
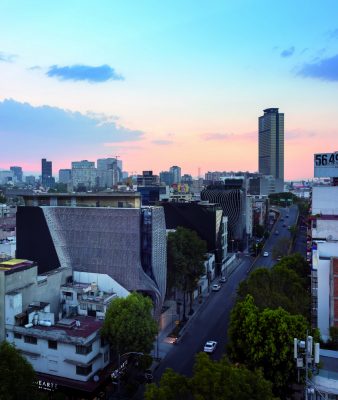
{"points": [[15, 264], [65, 330]]}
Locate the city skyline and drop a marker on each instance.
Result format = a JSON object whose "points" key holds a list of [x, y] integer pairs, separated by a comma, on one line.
{"points": [[164, 85]]}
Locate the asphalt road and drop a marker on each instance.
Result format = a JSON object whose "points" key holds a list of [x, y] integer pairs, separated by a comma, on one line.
{"points": [[211, 322], [283, 232]]}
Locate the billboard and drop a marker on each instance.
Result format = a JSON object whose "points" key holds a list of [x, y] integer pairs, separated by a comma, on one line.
{"points": [[326, 165]]}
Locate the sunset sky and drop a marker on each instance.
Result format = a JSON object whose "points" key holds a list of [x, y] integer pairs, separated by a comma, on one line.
{"points": [[164, 83]]}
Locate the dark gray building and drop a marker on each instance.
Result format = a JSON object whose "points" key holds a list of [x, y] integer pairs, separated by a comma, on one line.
{"points": [[271, 143], [128, 244]]}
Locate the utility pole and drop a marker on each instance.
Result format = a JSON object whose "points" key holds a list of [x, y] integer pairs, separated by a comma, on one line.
{"points": [[306, 355]]}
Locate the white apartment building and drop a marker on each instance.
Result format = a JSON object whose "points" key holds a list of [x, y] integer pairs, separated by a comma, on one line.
{"points": [[55, 320], [324, 258]]}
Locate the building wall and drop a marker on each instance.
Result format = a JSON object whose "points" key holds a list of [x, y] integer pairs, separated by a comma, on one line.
{"points": [[325, 200], [321, 262], [105, 282], [50, 361], [32, 288]]}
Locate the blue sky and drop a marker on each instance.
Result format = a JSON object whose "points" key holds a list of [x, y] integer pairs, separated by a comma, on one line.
{"points": [[166, 83]]}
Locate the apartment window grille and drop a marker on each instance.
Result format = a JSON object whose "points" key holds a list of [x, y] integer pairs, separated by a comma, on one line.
{"points": [[83, 349], [83, 370], [52, 344], [31, 339]]}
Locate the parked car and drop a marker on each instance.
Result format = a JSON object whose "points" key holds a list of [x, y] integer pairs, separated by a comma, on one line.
{"points": [[148, 375], [210, 346], [278, 258], [223, 279], [276, 233], [266, 254], [216, 287]]}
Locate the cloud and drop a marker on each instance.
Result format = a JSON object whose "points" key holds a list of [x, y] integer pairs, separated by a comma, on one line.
{"points": [[288, 52], [31, 132], [162, 142], [6, 57], [34, 68], [325, 69], [217, 136], [81, 72]]}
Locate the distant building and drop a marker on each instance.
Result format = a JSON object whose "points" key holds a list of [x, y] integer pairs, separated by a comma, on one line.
{"points": [[6, 177], [17, 173], [271, 143], [176, 173], [166, 178], [147, 179], [47, 179], [109, 172], [84, 174], [65, 176], [30, 180]]}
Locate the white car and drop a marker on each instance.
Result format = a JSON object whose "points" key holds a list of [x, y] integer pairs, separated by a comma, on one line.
{"points": [[216, 287], [210, 346], [265, 254]]}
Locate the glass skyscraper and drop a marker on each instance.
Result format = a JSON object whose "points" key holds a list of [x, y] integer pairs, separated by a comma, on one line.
{"points": [[271, 143]]}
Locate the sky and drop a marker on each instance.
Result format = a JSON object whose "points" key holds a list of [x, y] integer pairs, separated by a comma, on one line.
{"points": [[162, 83]]}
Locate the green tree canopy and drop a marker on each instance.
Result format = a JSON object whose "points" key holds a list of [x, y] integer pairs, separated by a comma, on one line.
{"points": [[212, 380], [186, 255], [296, 262], [265, 339], [16, 375], [278, 287], [129, 325]]}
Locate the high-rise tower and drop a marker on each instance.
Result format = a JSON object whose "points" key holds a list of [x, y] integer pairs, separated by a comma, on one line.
{"points": [[271, 143], [46, 173]]}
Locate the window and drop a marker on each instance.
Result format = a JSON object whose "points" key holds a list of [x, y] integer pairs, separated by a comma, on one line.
{"points": [[17, 335], [67, 295], [83, 349], [83, 306], [83, 370], [106, 356], [103, 341], [52, 344], [31, 339], [99, 307]]}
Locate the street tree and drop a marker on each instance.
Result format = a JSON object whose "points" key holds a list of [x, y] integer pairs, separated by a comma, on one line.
{"points": [[129, 325], [264, 339], [296, 262], [278, 287], [212, 380], [186, 255], [16, 375]]}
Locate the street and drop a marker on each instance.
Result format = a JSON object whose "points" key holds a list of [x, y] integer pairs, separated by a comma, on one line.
{"points": [[211, 322]]}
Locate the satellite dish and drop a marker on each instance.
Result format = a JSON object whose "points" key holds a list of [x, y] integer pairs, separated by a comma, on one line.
{"points": [[330, 237], [96, 378]]}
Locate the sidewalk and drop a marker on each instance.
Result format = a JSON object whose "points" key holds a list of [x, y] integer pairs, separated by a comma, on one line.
{"points": [[164, 344]]}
